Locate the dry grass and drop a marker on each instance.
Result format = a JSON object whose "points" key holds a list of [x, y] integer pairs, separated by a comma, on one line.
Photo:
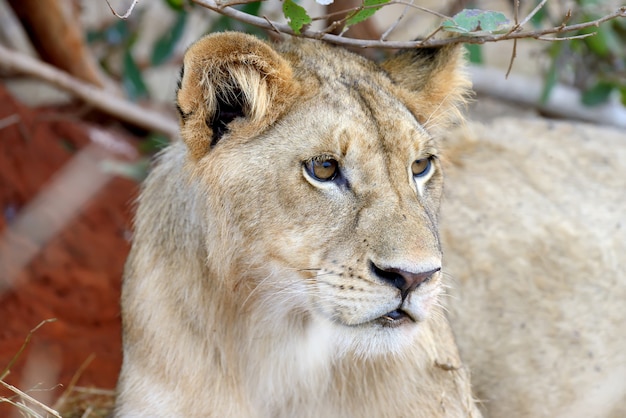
{"points": [[87, 402], [75, 402]]}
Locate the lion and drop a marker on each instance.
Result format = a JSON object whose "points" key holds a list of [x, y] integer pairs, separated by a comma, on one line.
{"points": [[534, 243], [320, 290], [286, 260]]}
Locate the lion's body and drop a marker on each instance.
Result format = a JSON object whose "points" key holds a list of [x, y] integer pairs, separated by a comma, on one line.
{"points": [[534, 235], [257, 287]]}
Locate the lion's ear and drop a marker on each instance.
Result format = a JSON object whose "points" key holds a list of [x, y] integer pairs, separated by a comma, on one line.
{"points": [[226, 78], [436, 78]]}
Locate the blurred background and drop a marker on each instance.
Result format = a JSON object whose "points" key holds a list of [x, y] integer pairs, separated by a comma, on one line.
{"points": [[72, 156]]}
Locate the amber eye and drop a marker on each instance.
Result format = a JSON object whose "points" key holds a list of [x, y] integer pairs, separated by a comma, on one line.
{"points": [[421, 167], [322, 168]]}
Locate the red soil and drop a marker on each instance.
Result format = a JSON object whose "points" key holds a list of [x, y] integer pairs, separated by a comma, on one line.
{"points": [[73, 277]]}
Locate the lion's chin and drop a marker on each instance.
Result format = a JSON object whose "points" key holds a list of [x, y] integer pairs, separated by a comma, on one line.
{"points": [[388, 334]]}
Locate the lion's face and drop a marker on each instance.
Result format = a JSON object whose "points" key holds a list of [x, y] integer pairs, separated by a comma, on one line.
{"points": [[330, 207]]}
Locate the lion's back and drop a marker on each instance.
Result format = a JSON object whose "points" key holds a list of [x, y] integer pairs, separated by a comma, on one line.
{"points": [[534, 236]]}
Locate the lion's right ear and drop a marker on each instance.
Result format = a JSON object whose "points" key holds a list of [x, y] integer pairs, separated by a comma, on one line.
{"points": [[230, 80]]}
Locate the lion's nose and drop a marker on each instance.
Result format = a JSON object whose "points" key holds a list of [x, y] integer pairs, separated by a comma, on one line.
{"points": [[406, 281]]}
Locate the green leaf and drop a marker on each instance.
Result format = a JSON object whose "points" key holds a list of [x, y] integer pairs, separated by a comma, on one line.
{"points": [[176, 5], [251, 8], [622, 92], [114, 34], [475, 53], [296, 14], [475, 22], [154, 143], [598, 94], [539, 17], [165, 45], [223, 23], [137, 170], [364, 14], [94, 36], [605, 42], [132, 80], [552, 75]]}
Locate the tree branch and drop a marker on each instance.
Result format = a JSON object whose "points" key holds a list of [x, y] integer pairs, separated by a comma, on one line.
{"points": [[57, 35], [96, 97], [264, 23], [128, 12]]}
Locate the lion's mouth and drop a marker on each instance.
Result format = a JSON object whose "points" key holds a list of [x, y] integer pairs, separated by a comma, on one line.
{"points": [[395, 318]]}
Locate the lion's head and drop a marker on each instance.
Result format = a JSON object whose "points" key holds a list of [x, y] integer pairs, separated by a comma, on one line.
{"points": [[323, 177], [298, 217]]}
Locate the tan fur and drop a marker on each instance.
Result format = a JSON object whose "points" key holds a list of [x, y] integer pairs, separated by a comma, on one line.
{"points": [[437, 85], [534, 234], [249, 290], [237, 60]]}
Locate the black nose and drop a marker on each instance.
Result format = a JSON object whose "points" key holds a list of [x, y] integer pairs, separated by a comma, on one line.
{"points": [[406, 281]]}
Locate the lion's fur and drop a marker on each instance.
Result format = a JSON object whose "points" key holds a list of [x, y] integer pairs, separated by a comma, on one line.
{"points": [[534, 234], [221, 312], [251, 289]]}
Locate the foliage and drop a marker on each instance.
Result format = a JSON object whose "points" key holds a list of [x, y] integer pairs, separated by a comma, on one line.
{"points": [[119, 39], [368, 10], [592, 59], [474, 22], [296, 14], [596, 65]]}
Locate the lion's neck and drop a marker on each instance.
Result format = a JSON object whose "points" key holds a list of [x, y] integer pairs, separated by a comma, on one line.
{"points": [[288, 358]]}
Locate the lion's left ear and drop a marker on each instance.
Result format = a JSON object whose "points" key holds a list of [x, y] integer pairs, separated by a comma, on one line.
{"points": [[230, 82], [437, 81]]}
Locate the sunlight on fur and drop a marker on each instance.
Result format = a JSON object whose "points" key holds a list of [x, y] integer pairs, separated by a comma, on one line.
{"points": [[286, 293]]}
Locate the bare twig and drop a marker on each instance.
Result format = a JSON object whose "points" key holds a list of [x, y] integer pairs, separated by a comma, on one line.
{"points": [[87, 412], [421, 8], [515, 27], [271, 24], [533, 13], [379, 43], [97, 97], [430, 35], [7, 369], [565, 38], [94, 391], [342, 12], [128, 12], [72, 384], [396, 23], [23, 398], [30, 399], [236, 2]]}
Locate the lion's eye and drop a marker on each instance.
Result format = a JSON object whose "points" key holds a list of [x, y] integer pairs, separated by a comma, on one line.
{"points": [[421, 167], [322, 169]]}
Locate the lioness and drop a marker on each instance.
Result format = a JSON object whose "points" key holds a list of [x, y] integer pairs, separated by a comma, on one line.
{"points": [[286, 259], [533, 229]]}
